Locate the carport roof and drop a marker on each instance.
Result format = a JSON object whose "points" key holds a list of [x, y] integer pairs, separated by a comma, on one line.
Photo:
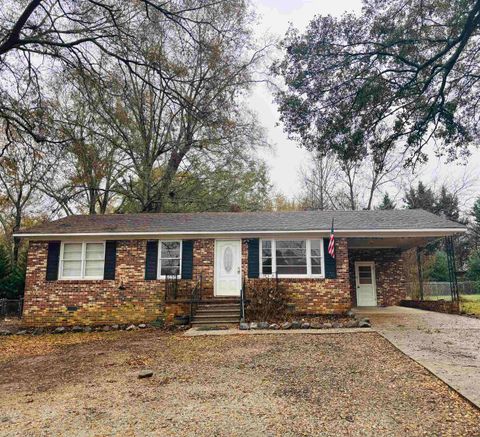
{"points": [[355, 222]]}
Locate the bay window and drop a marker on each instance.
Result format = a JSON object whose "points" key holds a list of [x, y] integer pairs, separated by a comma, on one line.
{"points": [[169, 258], [292, 258], [82, 260]]}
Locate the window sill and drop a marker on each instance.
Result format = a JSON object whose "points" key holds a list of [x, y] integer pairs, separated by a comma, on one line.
{"points": [[292, 277], [68, 280], [164, 278]]}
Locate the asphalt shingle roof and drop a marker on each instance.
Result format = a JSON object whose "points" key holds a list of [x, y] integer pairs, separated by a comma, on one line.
{"points": [[414, 219]]}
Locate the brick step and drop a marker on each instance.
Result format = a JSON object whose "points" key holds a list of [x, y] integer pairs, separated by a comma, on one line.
{"points": [[218, 308], [216, 315], [219, 322], [220, 301]]}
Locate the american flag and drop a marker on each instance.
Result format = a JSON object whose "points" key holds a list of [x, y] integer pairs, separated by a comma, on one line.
{"points": [[331, 244]]}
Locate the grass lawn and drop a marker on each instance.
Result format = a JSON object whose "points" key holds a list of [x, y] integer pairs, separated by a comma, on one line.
{"points": [[469, 303], [347, 384]]}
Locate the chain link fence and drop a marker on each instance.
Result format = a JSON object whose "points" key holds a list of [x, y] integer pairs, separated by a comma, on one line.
{"points": [[469, 294]]}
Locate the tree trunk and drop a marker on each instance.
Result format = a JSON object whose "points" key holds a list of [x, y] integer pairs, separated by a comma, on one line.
{"points": [[172, 167], [16, 240]]}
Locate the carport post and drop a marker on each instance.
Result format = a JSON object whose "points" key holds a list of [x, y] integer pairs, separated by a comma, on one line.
{"points": [[420, 274]]}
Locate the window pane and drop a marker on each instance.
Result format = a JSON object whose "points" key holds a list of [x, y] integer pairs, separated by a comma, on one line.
{"points": [[291, 261], [266, 253], [266, 257], [72, 269], [72, 251], [291, 256], [94, 268], [291, 252], [267, 266], [293, 244], [94, 251], [365, 274], [170, 267], [315, 248], [170, 249], [292, 270], [170, 258], [316, 270], [316, 261]]}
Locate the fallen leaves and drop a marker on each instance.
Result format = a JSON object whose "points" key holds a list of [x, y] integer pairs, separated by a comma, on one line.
{"points": [[349, 384], [25, 346]]}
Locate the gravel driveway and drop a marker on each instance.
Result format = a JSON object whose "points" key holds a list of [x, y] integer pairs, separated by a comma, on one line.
{"points": [[329, 385], [448, 345]]}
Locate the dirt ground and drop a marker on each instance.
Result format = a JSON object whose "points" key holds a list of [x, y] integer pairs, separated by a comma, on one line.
{"points": [[446, 344], [345, 384]]}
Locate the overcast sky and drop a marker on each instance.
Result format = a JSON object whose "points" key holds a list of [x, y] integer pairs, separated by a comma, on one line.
{"points": [[275, 17]]}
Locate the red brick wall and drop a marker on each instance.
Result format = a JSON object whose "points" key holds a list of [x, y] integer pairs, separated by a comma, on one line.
{"points": [[127, 299], [389, 272], [317, 296], [131, 299]]}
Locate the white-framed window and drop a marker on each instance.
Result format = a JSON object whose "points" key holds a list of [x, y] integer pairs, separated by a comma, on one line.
{"points": [[169, 258], [82, 260], [292, 258]]}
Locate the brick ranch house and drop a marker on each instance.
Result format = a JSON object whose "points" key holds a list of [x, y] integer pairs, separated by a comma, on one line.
{"points": [[132, 268]]}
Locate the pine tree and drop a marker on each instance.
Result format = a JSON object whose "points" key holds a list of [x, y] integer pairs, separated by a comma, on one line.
{"points": [[5, 270], [475, 227], [447, 204], [422, 197], [12, 277], [387, 203]]}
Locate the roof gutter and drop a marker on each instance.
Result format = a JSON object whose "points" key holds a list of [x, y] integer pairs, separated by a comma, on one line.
{"points": [[344, 232]]}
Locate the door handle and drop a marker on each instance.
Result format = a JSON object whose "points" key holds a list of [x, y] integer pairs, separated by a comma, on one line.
{"points": [[238, 270]]}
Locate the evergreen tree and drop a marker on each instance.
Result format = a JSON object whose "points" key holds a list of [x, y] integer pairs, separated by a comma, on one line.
{"points": [[422, 197], [387, 203], [447, 204], [444, 203], [12, 277], [438, 271], [475, 227], [473, 269]]}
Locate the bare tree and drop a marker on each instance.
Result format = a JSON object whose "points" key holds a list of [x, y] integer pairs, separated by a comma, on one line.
{"points": [[350, 184], [41, 37], [22, 170], [153, 131], [320, 183]]}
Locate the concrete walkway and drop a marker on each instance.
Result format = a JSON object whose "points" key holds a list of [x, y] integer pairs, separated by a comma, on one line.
{"points": [[447, 345]]}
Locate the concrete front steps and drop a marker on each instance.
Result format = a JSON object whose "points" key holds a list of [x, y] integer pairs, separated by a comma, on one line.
{"points": [[217, 312]]}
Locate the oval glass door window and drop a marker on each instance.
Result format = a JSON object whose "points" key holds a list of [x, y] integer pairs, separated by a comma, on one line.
{"points": [[228, 259]]}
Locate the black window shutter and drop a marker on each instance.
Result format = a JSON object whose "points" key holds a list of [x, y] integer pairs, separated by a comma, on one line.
{"points": [[187, 259], [330, 263], [253, 258], [110, 260], [151, 261], [53, 259]]}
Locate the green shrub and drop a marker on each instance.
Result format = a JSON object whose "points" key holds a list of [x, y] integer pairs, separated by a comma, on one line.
{"points": [[12, 278]]}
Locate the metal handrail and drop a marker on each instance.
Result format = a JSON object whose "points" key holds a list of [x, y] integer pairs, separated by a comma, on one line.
{"points": [[196, 296], [242, 301]]}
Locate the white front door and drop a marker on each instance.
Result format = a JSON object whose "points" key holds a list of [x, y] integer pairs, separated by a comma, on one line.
{"points": [[365, 283], [228, 267]]}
